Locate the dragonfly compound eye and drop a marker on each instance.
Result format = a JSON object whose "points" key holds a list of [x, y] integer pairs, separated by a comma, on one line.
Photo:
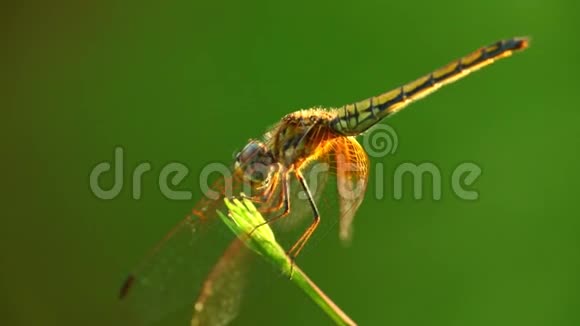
{"points": [[255, 160], [247, 154]]}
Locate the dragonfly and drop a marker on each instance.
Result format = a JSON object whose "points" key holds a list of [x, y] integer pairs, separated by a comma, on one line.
{"points": [[273, 172]]}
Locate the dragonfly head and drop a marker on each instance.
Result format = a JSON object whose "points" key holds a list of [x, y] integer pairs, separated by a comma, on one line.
{"points": [[255, 162]]}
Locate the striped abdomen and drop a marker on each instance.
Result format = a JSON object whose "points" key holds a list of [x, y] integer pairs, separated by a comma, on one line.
{"points": [[353, 119]]}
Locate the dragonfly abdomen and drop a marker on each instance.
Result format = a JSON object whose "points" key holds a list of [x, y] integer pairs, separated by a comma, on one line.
{"points": [[353, 119]]}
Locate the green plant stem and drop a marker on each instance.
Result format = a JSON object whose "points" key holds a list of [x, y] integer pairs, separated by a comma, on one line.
{"points": [[243, 219], [321, 299]]}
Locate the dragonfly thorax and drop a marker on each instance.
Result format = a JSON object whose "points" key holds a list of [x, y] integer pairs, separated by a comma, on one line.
{"points": [[302, 135], [255, 162]]}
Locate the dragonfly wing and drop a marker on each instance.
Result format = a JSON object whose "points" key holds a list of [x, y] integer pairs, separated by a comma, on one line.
{"points": [[219, 301], [167, 282], [172, 274], [200, 265], [352, 168]]}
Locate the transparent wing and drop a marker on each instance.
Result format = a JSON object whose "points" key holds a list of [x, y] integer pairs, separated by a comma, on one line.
{"points": [[352, 170], [171, 276], [220, 298], [167, 282], [199, 267]]}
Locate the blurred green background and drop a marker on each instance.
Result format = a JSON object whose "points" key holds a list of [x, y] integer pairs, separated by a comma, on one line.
{"points": [[191, 81]]}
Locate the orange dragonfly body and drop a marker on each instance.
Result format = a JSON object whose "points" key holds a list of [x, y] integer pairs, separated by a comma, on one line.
{"points": [[265, 169]]}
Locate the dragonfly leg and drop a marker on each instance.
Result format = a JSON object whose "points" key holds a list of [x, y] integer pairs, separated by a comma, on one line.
{"points": [[261, 198], [267, 195], [281, 203], [258, 199], [253, 199], [285, 202], [297, 247]]}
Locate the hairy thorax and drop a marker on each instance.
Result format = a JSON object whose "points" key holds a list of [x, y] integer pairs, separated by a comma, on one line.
{"points": [[301, 136]]}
